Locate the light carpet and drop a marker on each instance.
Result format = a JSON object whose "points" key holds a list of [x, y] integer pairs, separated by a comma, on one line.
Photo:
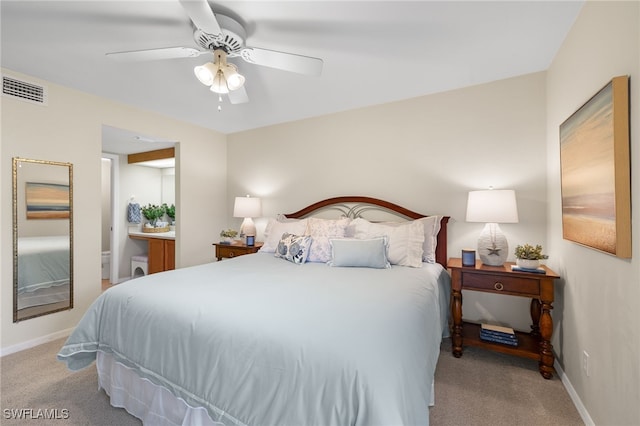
{"points": [[480, 388]]}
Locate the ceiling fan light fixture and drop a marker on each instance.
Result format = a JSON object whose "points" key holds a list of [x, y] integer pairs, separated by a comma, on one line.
{"points": [[235, 80], [205, 73], [219, 84]]}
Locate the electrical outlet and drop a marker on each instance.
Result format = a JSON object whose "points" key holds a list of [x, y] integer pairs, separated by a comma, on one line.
{"points": [[585, 363]]}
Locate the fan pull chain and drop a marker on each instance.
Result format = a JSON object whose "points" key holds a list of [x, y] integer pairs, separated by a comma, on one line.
{"points": [[220, 103]]}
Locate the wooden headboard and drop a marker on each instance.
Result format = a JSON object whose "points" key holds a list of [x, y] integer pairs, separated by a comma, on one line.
{"points": [[354, 206]]}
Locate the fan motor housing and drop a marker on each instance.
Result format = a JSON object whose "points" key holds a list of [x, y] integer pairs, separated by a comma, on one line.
{"points": [[232, 41]]}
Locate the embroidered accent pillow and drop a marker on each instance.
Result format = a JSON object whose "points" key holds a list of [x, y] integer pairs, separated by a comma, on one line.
{"points": [[321, 230], [294, 248]]}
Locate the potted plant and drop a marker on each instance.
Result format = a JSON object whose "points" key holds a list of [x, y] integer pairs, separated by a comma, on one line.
{"points": [[228, 235], [152, 213], [528, 256], [171, 212]]}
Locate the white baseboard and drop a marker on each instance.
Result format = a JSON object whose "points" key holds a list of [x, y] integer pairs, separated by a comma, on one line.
{"points": [[35, 342], [582, 410]]}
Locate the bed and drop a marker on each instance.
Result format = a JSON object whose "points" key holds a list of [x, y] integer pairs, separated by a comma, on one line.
{"points": [[43, 270], [273, 339]]}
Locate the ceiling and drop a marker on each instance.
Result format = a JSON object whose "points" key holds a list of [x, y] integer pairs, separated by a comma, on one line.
{"points": [[373, 51]]}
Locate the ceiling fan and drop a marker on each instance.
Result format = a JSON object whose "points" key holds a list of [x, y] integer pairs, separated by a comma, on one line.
{"points": [[224, 37]]}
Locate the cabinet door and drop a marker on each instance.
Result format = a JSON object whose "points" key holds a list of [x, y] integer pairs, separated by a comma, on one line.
{"points": [[156, 255], [169, 255]]}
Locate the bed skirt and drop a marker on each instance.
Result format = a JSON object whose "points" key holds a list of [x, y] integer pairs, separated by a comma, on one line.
{"points": [[149, 402]]}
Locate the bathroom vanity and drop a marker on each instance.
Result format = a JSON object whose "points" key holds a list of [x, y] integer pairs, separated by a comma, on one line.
{"points": [[161, 249]]}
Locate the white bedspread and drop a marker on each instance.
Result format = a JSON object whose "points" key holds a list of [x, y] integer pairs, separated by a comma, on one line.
{"points": [[258, 340]]}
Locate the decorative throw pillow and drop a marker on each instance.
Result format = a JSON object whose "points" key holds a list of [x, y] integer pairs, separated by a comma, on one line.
{"points": [[321, 230], [275, 229], [294, 248], [405, 239], [369, 253]]}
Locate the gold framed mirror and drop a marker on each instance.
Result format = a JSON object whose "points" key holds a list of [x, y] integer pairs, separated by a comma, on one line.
{"points": [[42, 237]]}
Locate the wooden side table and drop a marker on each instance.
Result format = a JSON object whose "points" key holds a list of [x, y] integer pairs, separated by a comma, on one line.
{"points": [[235, 249], [502, 280]]}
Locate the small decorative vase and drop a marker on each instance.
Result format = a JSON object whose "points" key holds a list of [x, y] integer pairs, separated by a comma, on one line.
{"points": [[528, 263]]}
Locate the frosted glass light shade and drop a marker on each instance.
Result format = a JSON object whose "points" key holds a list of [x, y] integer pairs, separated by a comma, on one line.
{"points": [[234, 79], [205, 73], [219, 83]]}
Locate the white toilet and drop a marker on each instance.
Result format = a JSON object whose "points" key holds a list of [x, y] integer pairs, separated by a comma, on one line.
{"points": [[139, 266]]}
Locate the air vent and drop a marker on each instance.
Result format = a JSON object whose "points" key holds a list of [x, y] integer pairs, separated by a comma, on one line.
{"points": [[24, 90]]}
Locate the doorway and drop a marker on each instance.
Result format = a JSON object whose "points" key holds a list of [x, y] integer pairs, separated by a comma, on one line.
{"points": [[129, 183], [110, 228]]}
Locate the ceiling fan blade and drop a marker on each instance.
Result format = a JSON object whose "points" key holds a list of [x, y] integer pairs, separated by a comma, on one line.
{"points": [[202, 16], [283, 61], [238, 96], [155, 54]]}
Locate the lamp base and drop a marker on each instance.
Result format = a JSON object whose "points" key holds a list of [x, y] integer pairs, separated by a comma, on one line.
{"points": [[247, 227], [493, 248]]}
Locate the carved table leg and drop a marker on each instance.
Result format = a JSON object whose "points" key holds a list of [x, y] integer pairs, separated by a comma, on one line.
{"points": [[546, 349], [535, 318], [456, 313]]}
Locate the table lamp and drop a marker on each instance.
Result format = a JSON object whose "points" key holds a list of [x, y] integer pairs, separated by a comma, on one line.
{"points": [[247, 208], [492, 207]]}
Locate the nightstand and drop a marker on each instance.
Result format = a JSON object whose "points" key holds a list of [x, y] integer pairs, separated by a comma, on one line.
{"points": [[235, 249], [502, 280]]}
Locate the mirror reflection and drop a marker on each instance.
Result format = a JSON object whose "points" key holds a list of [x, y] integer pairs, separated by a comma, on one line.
{"points": [[42, 237]]}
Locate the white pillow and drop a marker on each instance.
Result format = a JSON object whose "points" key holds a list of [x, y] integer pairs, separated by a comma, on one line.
{"points": [[369, 253], [431, 228], [275, 229], [405, 239], [321, 230]]}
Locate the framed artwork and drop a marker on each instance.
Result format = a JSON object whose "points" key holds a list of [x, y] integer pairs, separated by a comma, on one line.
{"points": [[47, 200], [596, 172]]}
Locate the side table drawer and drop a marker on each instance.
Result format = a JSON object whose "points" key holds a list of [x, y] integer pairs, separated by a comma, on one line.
{"points": [[502, 284], [230, 251]]}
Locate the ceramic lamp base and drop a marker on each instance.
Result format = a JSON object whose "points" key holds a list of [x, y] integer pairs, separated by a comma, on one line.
{"points": [[493, 248]]}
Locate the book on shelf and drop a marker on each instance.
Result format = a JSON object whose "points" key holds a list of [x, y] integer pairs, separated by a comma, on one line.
{"points": [[496, 339], [498, 334], [497, 328], [517, 268]]}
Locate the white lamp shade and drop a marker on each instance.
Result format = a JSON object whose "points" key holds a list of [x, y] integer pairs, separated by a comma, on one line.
{"points": [[247, 207], [492, 206]]}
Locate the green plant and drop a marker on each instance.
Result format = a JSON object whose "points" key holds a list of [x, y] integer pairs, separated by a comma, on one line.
{"points": [[170, 210], [530, 252], [228, 233], [152, 212]]}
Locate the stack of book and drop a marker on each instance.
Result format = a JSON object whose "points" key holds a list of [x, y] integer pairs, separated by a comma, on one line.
{"points": [[498, 334], [534, 270]]}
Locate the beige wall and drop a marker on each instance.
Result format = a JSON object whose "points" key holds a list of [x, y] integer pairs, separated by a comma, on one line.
{"points": [[69, 129], [599, 293], [424, 153]]}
